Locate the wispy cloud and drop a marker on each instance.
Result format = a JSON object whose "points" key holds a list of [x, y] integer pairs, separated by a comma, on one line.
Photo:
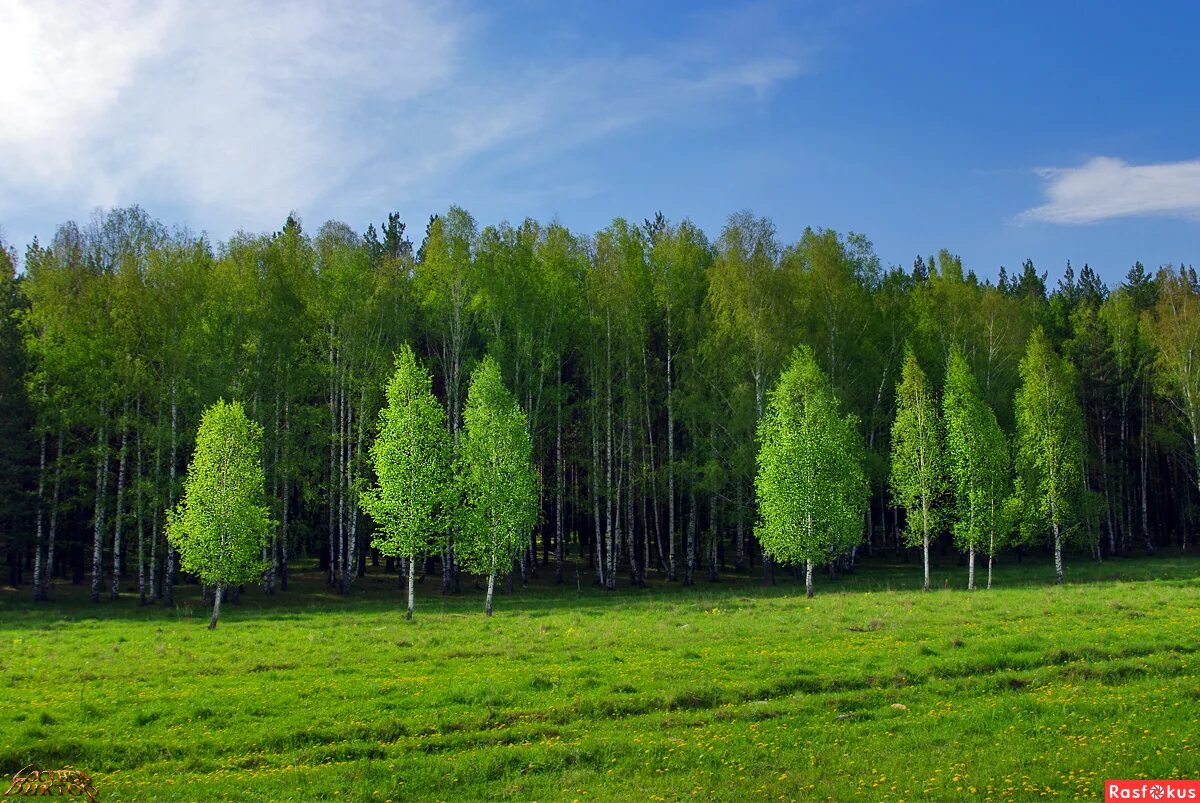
{"points": [[244, 107], [1106, 188], [233, 113]]}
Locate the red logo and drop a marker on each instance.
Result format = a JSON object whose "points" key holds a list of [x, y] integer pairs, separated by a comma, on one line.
{"points": [[1151, 791]]}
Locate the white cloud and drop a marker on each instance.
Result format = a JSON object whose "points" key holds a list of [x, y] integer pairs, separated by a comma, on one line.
{"points": [[236, 112], [246, 108], [1105, 188]]}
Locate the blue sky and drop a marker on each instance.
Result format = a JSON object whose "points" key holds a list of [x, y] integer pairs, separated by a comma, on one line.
{"points": [[1003, 131]]}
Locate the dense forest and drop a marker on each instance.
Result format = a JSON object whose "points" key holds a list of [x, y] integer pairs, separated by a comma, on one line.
{"points": [[643, 358]]}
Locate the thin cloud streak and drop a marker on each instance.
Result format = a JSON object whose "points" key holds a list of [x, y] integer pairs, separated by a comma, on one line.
{"points": [[235, 113]]}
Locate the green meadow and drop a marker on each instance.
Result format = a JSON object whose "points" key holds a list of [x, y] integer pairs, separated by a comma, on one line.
{"points": [[727, 691]]}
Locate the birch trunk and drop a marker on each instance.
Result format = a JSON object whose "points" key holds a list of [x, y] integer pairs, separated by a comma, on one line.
{"points": [[38, 567], [739, 555], [671, 574], [558, 488], [712, 538], [650, 500], [119, 520], [411, 561], [98, 520], [141, 520], [971, 569], [155, 592], [169, 570], [690, 559], [212, 624], [1058, 561], [1144, 461], [333, 452], [925, 540], [635, 575], [609, 534], [487, 606], [596, 532], [808, 579], [48, 579], [341, 509], [272, 559], [283, 534]]}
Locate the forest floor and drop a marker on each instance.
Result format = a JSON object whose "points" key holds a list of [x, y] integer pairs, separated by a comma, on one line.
{"points": [[729, 691]]}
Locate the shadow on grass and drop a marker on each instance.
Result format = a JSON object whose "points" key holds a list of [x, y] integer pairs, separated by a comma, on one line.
{"points": [[378, 592]]}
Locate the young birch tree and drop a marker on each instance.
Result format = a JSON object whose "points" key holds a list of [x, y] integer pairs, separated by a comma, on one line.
{"points": [[222, 523], [977, 464], [811, 488], [1050, 451], [917, 476], [411, 455], [496, 475]]}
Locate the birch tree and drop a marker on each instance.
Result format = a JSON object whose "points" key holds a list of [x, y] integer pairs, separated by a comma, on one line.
{"points": [[811, 488], [917, 477], [1050, 450], [977, 465], [222, 523], [496, 475], [413, 491], [445, 283]]}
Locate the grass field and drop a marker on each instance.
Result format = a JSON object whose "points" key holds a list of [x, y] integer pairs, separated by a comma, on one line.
{"points": [[728, 691]]}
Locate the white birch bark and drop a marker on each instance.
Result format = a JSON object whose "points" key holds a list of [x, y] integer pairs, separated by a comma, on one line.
{"points": [[119, 519], [98, 518], [220, 592], [48, 575], [38, 567], [169, 569]]}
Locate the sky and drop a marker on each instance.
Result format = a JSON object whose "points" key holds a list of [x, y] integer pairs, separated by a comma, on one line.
{"points": [[1001, 131]]}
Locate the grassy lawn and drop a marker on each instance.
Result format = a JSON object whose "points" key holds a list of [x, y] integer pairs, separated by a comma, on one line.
{"points": [[724, 691]]}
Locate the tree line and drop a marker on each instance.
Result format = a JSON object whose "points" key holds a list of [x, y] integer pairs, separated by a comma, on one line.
{"points": [[655, 370]]}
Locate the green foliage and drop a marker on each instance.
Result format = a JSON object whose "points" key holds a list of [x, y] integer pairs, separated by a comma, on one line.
{"points": [[1050, 443], [918, 470], [412, 499], [17, 448], [222, 523], [1174, 329], [811, 488], [496, 474], [977, 461]]}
